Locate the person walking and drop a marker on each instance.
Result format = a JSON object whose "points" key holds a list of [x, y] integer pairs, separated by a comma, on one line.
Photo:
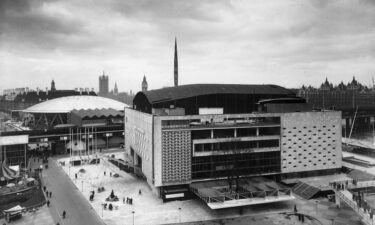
{"points": [[64, 214], [50, 194], [48, 203]]}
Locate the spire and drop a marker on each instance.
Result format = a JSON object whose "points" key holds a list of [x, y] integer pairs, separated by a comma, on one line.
{"points": [[144, 84], [175, 63], [115, 89]]}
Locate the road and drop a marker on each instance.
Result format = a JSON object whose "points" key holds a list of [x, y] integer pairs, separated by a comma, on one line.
{"points": [[66, 197]]}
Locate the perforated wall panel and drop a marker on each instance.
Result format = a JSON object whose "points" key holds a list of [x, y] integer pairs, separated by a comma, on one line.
{"points": [[310, 141], [176, 156]]}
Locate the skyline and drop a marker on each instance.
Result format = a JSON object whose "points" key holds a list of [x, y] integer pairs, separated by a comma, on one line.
{"points": [[287, 43]]}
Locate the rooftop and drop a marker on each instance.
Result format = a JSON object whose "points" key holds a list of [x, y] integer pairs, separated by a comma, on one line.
{"points": [[78, 102], [190, 90]]}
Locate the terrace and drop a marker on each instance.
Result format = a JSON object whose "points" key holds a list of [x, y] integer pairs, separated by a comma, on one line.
{"points": [[251, 191]]}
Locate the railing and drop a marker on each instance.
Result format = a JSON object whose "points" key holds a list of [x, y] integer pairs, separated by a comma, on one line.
{"points": [[363, 215], [363, 184], [222, 124], [243, 195]]}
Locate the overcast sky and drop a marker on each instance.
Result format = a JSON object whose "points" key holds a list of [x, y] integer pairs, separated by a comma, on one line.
{"points": [[288, 43]]}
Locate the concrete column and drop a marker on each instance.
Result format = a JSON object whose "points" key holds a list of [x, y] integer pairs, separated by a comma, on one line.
{"points": [[347, 124], [337, 199], [212, 133]]}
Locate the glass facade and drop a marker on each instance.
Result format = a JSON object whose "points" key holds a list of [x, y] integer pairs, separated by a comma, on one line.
{"points": [[215, 166], [14, 154], [243, 145]]}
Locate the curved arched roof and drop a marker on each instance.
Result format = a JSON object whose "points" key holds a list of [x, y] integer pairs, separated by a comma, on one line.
{"points": [[77, 102], [190, 90]]}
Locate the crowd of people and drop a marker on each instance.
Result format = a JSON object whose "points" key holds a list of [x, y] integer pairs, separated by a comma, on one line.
{"points": [[340, 185], [359, 198]]}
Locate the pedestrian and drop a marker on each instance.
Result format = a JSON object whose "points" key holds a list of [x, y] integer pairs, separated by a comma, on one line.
{"points": [[48, 203], [50, 194], [64, 214], [44, 188], [295, 209], [110, 174], [104, 173], [127, 200], [123, 200], [76, 176], [139, 192], [47, 194]]}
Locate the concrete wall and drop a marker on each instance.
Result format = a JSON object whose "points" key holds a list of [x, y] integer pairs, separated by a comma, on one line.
{"points": [[138, 136], [157, 152], [310, 141]]}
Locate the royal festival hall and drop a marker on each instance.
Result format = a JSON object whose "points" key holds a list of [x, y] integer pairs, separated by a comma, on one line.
{"points": [[229, 145]]}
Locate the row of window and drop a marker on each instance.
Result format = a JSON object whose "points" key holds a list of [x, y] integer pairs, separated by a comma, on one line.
{"points": [[304, 165], [324, 126]]}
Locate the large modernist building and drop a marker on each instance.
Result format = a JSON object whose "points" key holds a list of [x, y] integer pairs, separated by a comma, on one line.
{"points": [[206, 138]]}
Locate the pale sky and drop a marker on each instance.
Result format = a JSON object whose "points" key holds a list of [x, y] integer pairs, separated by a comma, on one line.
{"points": [[288, 42]]}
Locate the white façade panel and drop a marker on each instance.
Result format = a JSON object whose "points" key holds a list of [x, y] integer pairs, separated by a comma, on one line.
{"points": [[14, 140]]}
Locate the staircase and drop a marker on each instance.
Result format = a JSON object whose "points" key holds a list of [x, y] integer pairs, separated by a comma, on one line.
{"points": [[305, 190]]}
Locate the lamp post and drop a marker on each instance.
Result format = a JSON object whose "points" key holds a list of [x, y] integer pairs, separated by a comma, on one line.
{"points": [[108, 135], [179, 214], [133, 216]]}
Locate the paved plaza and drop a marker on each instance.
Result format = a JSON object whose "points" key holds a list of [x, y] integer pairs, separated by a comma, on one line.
{"points": [[149, 209], [72, 195]]}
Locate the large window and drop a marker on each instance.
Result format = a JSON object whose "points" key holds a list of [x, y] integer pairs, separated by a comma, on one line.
{"points": [[246, 132], [242, 164], [200, 134], [236, 146], [223, 133], [269, 131]]}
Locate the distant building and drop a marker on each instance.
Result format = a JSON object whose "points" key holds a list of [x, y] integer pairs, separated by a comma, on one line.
{"points": [[103, 85], [10, 94], [22, 98], [344, 97], [144, 84], [114, 94], [53, 87]]}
